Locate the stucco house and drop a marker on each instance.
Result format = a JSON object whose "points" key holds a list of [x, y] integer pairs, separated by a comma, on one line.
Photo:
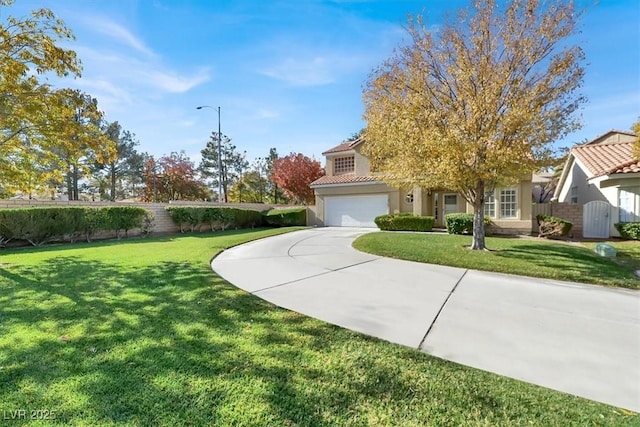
{"points": [[604, 176], [351, 195]]}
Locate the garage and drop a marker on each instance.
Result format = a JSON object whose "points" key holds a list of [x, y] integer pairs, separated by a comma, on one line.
{"points": [[355, 211]]}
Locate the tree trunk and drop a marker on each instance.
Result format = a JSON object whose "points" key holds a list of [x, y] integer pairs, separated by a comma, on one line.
{"points": [[76, 195], [112, 172], [478, 218]]}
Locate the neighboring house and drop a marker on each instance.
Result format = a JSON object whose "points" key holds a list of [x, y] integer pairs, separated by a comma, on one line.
{"points": [[351, 195], [604, 176]]}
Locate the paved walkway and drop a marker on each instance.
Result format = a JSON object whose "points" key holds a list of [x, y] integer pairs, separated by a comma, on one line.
{"points": [[580, 339]]}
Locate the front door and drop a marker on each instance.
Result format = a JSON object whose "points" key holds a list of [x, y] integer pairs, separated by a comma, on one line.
{"points": [[450, 204]]}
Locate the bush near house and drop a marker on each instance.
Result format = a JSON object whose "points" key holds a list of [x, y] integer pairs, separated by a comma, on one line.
{"points": [[553, 227], [404, 222], [628, 230], [42, 225], [285, 217], [215, 218], [462, 223]]}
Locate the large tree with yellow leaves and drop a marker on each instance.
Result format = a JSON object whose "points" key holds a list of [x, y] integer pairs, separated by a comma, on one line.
{"points": [[477, 102], [38, 122]]}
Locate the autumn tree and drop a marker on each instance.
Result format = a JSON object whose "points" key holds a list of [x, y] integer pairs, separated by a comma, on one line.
{"points": [[294, 173], [38, 123], [172, 177], [476, 104], [29, 48]]}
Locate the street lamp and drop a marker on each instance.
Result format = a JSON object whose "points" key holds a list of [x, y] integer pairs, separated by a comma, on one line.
{"points": [[219, 151]]}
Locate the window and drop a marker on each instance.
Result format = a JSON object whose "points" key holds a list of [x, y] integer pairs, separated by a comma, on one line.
{"points": [[625, 206], [574, 194], [508, 203], [343, 165], [408, 198], [489, 204]]}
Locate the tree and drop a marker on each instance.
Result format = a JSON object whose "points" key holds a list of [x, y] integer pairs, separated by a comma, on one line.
{"points": [[251, 188], [476, 104], [234, 164], [275, 193], [172, 177], [294, 173], [29, 50], [124, 166]]}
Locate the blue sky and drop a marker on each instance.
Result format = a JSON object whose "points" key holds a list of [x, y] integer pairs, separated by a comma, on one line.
{"points": [[288, 73]]}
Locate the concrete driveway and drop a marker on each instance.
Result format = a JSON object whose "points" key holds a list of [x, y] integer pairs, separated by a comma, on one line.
{"points": [[580, 339]]}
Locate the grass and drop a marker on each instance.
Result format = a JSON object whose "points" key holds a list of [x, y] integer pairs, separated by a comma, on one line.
{"points": [[522, 256], [141, 332]]}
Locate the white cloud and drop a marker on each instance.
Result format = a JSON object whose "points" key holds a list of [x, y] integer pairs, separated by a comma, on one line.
{"points": [[172, 82], [118, 33], [302, 72]]}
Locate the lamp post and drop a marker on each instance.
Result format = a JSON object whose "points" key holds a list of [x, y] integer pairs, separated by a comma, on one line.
{"points": [[219, 151]]}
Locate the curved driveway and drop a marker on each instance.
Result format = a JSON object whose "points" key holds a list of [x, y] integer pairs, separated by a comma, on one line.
{"points": [[580, 339]]}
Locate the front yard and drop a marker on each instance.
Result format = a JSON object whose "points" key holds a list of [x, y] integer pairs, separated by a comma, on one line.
{"points": [[513, 255], [141, 332]]}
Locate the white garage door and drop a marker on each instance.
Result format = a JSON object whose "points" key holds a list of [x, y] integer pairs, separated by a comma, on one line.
{"points": [[355, 211]]}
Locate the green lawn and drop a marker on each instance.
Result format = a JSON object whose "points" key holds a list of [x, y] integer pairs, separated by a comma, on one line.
{"points": [[522, 256], [141, 332]]}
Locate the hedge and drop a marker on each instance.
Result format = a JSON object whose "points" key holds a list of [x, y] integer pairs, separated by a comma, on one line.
{"points": [[628, 230], [214, 218], [553, 227], [462, 223], [404, 222], [285, 217], [42, 225]]}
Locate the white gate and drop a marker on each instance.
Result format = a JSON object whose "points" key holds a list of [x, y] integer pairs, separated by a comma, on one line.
{"points": [[595, 220]]}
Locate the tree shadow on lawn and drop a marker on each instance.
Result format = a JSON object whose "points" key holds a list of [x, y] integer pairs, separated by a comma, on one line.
{"points": [[174, 343], [575, 262]]}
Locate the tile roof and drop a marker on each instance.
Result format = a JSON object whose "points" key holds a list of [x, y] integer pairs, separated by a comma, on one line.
{"points": [[607, 159], [343, 179], [345, 146]]}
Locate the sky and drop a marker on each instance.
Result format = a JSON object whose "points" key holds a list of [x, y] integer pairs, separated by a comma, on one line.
{"points": [[289, 74]]}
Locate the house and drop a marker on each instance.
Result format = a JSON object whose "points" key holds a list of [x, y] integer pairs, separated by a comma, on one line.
{"points": [[604, 176], [351, 195]]}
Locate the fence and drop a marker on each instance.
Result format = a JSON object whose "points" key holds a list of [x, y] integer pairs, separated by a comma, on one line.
{"points": [[569, 211]]}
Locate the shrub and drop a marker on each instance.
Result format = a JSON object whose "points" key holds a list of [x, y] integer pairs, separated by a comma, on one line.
{"points": [[247, 218], [285, 217], [41, 225], [217, 218], [462, 223], [404, 222], [124, 218], [553, 227], [628, 230]]}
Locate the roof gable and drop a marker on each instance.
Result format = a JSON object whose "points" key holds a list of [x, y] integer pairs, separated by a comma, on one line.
{"points": [[613, 136], [607, 158], [344, 146]]}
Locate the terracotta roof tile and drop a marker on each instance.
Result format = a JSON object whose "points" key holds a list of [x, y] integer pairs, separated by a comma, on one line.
{"points": [[343, 179], [607, 159], [344, 146]]}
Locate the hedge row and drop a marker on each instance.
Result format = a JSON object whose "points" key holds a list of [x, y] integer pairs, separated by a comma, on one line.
{"points": [[628, 230], [285, 217], [553, 227], [404, 222], [41, 225], [195, 218], [462, 223]]}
